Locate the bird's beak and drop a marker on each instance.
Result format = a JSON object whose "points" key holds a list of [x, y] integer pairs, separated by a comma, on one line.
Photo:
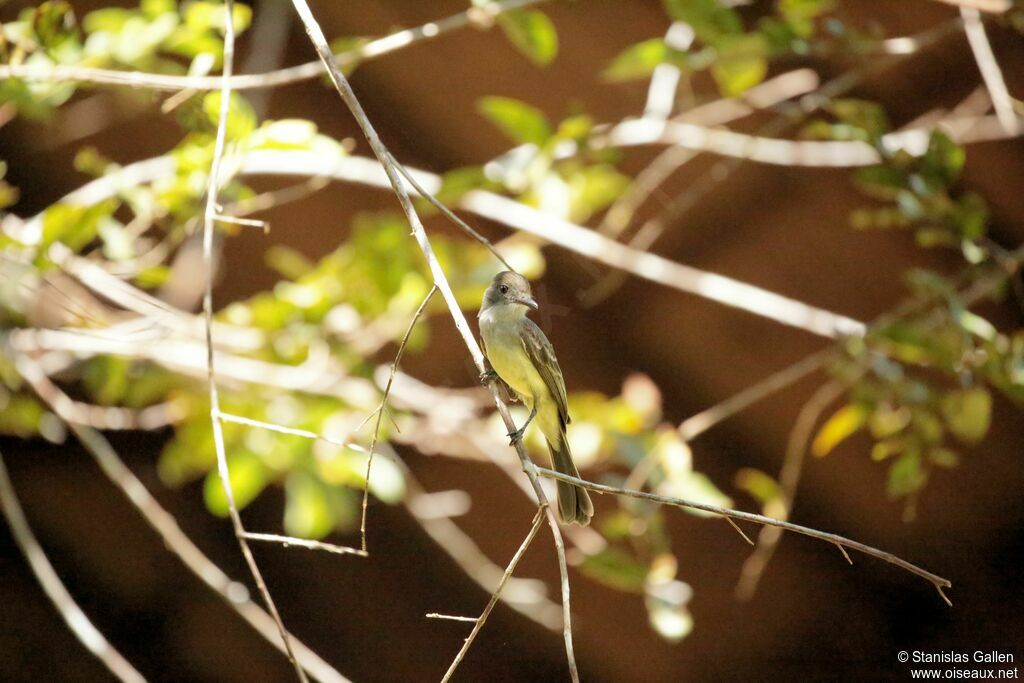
{"points": [[528, 301]]}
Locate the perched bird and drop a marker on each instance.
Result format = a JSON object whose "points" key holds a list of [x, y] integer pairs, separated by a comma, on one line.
{"points": [[524, 359]]}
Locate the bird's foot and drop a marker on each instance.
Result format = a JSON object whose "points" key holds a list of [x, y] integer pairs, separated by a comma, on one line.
{"points": [[516, 436], [487, 376]]}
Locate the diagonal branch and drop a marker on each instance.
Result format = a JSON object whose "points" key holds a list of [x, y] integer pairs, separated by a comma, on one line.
{"points": [[234, 594], [394, 178], [77, 621], [937, 581], [482, 619]]}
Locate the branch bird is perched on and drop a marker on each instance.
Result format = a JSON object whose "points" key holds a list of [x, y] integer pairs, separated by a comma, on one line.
{"points": [[524, 359]]}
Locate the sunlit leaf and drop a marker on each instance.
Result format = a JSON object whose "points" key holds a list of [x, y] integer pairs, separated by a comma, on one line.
{"points": [[638, 60], [843, 424], [248, 477], [741, 63], [533, 34], [309, 510], [761, 486], [519, 121]]}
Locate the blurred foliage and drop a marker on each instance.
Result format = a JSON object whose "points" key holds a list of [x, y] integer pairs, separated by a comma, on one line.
{"points": [[921, 385]]}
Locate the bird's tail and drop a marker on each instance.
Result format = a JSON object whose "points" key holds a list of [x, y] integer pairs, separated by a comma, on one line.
{"points": [[574, 505]]}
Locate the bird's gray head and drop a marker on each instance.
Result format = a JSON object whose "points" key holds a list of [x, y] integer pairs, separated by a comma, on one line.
{"points": [[509, 289]]}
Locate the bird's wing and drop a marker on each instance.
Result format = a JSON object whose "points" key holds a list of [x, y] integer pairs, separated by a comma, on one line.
{"points": [[542, 354]]}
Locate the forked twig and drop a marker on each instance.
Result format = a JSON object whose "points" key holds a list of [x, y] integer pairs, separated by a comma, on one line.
{"points": [[344, 89], [537, 519]]}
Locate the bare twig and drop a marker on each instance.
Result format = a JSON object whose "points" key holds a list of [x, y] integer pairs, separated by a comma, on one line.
{"points": [[271, 79], [382, 408], [789, 478], [990, 71], [290, 541], [934, 579], [451, 617], [394, 178], [209, 218], [77, 621], [537, 520]]}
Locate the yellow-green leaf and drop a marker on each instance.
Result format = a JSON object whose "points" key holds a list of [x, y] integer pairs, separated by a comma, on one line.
{"points": [[533, 34], [843, 423], [968, 413]]}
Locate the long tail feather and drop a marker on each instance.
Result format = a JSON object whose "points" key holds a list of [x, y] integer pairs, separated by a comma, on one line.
{"points": [[574, 504]]}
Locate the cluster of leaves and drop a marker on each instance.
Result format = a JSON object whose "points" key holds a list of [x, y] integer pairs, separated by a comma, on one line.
{"points": [[737, 59], [920, 384], [917, 193], [160, 36]]}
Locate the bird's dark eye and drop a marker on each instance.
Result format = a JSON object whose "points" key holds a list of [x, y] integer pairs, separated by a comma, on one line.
{"points": [[503, 289]]}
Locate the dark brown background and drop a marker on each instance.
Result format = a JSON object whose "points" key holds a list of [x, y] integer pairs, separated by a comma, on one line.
{"points": [[815, 618]]}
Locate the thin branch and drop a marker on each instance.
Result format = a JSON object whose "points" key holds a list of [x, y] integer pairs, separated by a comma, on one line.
{"points": [[163, 523], [448, 213], [990, 71], [73, 616], [309, 544], [789, 479], [934, 579], [382, 408], [526, 596], [209, 219], [695, 425], [537, 520], [477, 16], [394, 178], [451, 617]]}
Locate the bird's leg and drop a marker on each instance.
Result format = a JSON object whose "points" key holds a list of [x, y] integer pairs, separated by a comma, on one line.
{"points": [[518, 434], [487, 375]]}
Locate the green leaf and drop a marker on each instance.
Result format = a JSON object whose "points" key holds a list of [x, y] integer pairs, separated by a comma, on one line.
{"points": [[843, 424], [638, 61], [341, 47], [519, 121], [289, 262], [241, 120], [868, 116], [248, 477], [906, 475], [615, 568], [741, 63], [204, 16], [943, 457], [459, 181], [309, 510], [593, 188], [761, 486], [968, 413], [73, 225], [532, 33], [709, 19]]}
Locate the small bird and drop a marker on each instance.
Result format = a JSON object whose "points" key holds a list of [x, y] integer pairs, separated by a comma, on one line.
{"points": [[524, 359]]}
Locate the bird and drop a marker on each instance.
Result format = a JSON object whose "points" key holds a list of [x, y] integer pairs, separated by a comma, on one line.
{"points": [[522, 357]]}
